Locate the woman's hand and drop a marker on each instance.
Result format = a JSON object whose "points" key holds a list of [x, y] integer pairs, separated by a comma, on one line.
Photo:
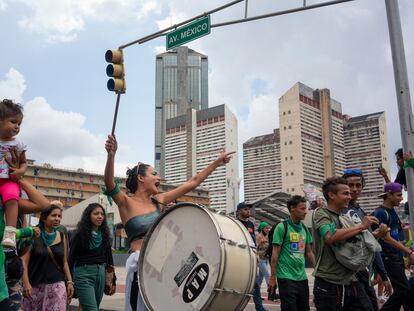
{"points": [[225, 157], [16, 172], [111, 145], [71, 290], [36, 231], [27, 290]]}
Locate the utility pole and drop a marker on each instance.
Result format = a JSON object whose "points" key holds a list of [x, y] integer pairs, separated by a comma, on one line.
{"points": [[403, 93]]}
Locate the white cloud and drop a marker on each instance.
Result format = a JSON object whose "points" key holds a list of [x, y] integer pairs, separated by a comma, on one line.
{"points": [[13, 86], [58, 137], [61, 21], [263, 111]]}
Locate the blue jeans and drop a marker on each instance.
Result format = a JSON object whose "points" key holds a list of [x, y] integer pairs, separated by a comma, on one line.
{"points": [[263, 272], [257, 297]]}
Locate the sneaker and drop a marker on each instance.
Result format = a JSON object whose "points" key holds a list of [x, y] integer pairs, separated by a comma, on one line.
{"points": [[9, 238]]}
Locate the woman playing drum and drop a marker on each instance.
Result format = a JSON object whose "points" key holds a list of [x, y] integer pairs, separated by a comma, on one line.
{"points": [[139, 210]]}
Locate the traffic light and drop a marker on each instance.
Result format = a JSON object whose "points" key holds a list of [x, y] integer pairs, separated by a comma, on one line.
{"points": [[116, 71]]}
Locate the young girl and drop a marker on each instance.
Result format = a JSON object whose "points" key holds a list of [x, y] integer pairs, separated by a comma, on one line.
{"points": [[90, 255], [11, 116]]}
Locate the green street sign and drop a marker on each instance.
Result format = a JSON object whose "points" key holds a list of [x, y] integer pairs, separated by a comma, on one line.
{"points": [[189, 32]]}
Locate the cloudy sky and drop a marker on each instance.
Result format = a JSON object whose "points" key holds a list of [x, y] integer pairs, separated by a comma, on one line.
{"points": [[52, 61]]}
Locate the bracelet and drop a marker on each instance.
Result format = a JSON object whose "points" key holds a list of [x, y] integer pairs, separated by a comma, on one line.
{"points": [[70, 282]]}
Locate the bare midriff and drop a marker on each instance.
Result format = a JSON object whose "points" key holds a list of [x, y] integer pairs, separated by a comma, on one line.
{"points": [[136, 245]]}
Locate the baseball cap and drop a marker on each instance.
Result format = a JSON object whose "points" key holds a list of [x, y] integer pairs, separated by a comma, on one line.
{"points": [[243, 205], [391, 187]]}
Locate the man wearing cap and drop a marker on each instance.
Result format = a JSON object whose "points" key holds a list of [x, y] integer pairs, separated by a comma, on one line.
{"points": [[392, 248], [243, 215], [356, 183]]}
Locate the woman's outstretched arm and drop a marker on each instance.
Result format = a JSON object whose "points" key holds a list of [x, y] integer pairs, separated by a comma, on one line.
{"points": [[196, 180]]}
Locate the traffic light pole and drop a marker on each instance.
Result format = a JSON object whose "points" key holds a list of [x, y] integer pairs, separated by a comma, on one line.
{"points": [[118, 97], [403, 94]]}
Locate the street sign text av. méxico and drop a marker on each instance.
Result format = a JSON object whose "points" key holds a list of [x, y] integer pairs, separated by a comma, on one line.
{"points": [[189, 32]]}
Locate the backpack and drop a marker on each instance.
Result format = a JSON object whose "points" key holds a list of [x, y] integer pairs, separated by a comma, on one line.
{"points": [[355, 253], [270, 237]]}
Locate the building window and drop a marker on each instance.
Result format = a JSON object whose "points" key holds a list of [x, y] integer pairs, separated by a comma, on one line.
{"points": [[288, 111], [285, 143], [287, 174], [291, 173], [286, 158], [291, 157], [293, 189], [290, 127], [284, 127], [290, 142], [284, 113]]}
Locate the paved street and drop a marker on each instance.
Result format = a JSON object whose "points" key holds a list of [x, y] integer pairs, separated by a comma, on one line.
{"points": [[116, 302]]}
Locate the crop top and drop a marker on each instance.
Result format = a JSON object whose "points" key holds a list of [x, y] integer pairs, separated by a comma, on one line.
{"points": [[137, 227]]}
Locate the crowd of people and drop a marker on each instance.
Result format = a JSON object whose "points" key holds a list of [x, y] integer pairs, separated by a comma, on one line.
{"points": [[343, 279], [41, 268]]}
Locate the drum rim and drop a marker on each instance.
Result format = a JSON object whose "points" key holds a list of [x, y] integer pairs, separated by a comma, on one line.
{"points": [[151, 230]]}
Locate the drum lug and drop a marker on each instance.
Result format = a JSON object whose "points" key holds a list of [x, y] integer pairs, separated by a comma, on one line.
{"points": [[230, 242], [231, 291]]}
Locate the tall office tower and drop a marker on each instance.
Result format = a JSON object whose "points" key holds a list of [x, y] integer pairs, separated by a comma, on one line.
{"points": [[181, 82], [261, 166], [193, 141], [366, 148], [311, 137]]}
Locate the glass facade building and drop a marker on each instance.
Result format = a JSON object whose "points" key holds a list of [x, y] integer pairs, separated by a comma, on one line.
{"points": [[181, 82]]}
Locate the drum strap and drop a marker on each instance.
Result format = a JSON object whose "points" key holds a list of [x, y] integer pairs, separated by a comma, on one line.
{"points": [[133, 298]]}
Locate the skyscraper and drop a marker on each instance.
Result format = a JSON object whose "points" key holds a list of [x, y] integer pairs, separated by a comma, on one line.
{"points": [[261, 166], [181, 82], [316, 141], [193, 141], [311, 137], [366, 149]]}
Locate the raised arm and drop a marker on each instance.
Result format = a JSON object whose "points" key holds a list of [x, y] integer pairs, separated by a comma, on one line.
{"points": [[37, 202], [111, 147], [196, 180]]}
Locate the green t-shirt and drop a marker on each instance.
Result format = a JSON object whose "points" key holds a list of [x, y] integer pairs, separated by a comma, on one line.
{"points": [[329, 268], [291, 263], [3, 286]]}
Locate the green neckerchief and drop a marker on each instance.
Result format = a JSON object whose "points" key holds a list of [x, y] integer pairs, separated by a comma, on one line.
{"points": [[47, 238], [297, 226], [96, 239], [409, 163]]}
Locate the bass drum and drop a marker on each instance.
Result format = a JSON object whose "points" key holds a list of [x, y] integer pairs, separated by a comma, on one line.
{"points": [[196, 259]]}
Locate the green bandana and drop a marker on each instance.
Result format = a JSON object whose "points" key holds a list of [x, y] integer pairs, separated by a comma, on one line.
{"points": [[47, 238], [96, 239]]}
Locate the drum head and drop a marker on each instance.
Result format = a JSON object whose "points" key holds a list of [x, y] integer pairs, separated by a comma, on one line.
{"points": [[180, 260]]}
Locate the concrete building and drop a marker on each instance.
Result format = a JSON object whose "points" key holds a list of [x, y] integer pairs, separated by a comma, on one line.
{"points": [[193, 141], [311, 137], [181, 82], [366, 148], [261, 166], [70, 186], [315, 141]]}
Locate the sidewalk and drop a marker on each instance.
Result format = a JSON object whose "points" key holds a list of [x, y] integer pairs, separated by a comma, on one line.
{"points": [[116, 302]]}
